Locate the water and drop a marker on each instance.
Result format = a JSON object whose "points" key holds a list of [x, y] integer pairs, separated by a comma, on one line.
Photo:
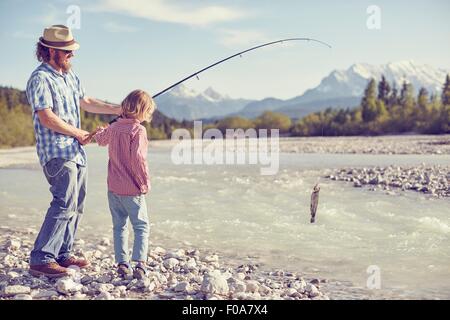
{"points": [[238, 213]]}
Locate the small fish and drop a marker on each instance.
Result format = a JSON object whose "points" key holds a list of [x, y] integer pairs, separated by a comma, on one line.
{"points": [[314, 202]]}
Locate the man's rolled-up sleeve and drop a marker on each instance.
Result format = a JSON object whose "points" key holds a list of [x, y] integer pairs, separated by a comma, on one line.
{"points": [[39, 94]]}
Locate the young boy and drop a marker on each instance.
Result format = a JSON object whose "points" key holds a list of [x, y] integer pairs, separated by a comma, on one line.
{"points": [[128, 179]]}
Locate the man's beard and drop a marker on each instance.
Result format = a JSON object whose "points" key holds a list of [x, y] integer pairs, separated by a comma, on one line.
{"points": [[64, 65]]}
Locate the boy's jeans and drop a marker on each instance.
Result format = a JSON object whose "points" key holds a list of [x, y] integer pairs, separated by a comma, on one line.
{"points": [[135, 208], [68, 187]]}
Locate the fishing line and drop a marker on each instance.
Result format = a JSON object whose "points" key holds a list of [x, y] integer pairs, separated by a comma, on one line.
{"points": [[195, 74]]}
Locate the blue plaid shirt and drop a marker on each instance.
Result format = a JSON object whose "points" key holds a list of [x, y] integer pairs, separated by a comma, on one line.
{"points": [[48, 88]]}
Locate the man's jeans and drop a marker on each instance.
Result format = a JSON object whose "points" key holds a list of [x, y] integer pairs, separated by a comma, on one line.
{"points": [[68, 187], [134, 207]]}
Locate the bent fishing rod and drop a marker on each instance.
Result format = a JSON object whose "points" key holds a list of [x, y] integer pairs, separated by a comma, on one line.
{"points": [[195, 74]]}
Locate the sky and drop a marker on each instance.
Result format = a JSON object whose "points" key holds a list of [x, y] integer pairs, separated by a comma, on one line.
{"points": [[151, 44]]}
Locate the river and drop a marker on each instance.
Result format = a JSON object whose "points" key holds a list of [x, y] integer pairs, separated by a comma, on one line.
{"points": [[240, 213]]}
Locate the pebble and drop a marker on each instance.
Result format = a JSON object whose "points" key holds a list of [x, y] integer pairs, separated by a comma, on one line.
{"points": [[182, 287], [23, 297], [104, 295], [13, 244], [171, 263], [211, 258], [13, 274], [105, 242], [46, 294], [67, 286], [252, 286], [214, 282], [16, 289], [312, 290]]}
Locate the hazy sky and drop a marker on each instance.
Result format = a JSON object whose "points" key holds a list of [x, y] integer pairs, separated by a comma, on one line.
{"points": [[150, 44]]}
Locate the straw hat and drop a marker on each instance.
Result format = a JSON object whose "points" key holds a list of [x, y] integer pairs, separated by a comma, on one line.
{"points": [[58, 37]]}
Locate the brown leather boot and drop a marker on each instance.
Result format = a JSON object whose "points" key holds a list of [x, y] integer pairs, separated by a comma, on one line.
{"points": [[72, 261], [51, 270]]}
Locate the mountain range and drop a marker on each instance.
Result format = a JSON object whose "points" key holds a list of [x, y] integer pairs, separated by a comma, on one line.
{"points": [[182, 103], [341, 88]]}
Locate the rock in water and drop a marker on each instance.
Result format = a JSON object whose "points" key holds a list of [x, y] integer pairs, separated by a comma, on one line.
{"points": [[314, 202]]}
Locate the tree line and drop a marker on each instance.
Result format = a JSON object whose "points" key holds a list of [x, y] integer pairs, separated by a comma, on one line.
{"points": [[16, 124], [384, 109]]}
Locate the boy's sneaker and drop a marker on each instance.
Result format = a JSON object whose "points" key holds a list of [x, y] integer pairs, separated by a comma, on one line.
{"points": [[124, 269], [140, 271]]}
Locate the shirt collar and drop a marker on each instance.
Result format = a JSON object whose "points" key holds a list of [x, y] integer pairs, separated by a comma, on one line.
{"points": [[126, 120], [53, 70]]}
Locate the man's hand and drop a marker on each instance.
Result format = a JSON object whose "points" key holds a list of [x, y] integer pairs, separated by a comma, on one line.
{"points": [[82, 136], [87, 139]]}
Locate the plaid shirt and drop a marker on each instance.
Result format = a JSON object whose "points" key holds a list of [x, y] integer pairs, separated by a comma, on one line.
{"points": [[48, 88]]}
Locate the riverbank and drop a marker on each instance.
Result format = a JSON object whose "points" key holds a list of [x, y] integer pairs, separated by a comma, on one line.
{"points": [[401, 144], [174, 274]]}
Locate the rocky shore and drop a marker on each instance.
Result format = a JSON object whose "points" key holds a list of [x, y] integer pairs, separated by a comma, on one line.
{"points": [[420, 144], [181, 274], [432, 180]]}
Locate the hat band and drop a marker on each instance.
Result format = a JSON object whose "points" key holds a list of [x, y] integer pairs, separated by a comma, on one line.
{"points": [[57, 43]]}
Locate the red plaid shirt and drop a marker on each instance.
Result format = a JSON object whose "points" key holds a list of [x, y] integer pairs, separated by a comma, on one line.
{"points": [[127, 167]]}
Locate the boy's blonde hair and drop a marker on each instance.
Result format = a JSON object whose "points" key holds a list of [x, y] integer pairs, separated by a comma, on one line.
{"points": [[138, 104]]}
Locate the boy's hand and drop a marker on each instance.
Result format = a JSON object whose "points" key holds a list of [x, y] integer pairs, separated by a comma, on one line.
{"points": [[99, 128], [88, 138], [144, 189]]}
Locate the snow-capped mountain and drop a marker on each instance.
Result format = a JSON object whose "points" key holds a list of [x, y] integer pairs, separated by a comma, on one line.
{"points": [[353, 81], [341, 88], [183, 103], [344, 88]]}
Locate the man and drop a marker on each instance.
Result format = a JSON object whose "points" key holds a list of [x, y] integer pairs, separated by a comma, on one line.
{"points": [[56, 95]]}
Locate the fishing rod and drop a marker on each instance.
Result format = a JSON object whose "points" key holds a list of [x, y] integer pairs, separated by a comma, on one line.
{"points": [[195, 74]]}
